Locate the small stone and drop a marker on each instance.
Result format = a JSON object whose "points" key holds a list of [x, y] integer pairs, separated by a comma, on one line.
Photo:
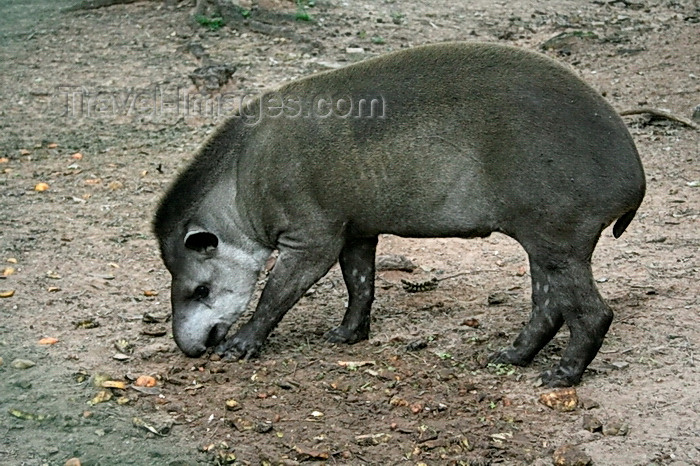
{"points": [[395, 262], [354, 50], [615, 427], [570, 455], [263, 427], [588, 403], [696, 114], [416, 345], [497, 298], [592, 423], [22, 363], [620, 364]]}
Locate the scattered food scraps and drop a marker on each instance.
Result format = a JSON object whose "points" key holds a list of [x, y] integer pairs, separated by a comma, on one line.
{"points": [[564, 399], [145, 381]]}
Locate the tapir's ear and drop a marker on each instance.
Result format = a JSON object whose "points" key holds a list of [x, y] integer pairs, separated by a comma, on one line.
{"points": [[201, 241]]}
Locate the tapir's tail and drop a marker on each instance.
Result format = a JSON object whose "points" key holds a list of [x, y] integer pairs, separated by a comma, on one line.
{"points": [[623, 222]]}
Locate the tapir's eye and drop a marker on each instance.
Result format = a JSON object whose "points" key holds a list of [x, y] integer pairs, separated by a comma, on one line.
{"points": [[201, 292]]}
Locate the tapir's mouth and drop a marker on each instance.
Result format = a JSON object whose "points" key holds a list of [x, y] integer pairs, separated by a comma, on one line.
{"points": [[216, 334]]}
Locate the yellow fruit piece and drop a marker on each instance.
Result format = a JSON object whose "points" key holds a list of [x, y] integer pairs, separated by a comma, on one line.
{"points": [[114, 384], [101, 397], [7, 294], [41, 187], [48, 341]]}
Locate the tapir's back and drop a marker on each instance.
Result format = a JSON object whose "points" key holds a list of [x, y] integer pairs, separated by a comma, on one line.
{"points": [[455, 139]]}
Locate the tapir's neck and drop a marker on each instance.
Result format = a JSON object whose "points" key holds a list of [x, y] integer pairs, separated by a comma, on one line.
{"points": [[219, 213]]}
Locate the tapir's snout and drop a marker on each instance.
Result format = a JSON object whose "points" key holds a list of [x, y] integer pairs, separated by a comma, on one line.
{"points": [[194, 334]]}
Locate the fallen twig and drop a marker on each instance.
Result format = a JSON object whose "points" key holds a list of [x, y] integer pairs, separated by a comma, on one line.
{"points": [[661, 114], [95, 4]]}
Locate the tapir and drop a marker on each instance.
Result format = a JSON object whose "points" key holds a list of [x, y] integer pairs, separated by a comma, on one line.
{"points": [[448, 140]]}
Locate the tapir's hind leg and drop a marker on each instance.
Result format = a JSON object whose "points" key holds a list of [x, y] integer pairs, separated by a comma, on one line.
{"points": [[357, 265], [563, 291], [545, 321]]}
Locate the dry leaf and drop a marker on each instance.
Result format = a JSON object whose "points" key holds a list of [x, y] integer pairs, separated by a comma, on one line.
{"points": [[41, 187], [93, 181], [473, 323], [145, 381], [77, 156], [53, 289], [114, 185], [53, 145], [11, 260], [48, 341], [24, 152], [7, 294], [304, 454], [7, 271], [4, 160], [150, 293]]}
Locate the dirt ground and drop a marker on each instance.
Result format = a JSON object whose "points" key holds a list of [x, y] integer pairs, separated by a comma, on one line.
{"points": [[85, 269]]}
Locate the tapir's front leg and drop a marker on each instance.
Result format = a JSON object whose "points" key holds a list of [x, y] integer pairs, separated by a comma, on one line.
{"points": [[357, 265], [295, 271]]}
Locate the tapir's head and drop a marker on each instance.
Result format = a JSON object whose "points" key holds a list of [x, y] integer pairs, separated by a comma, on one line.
{"points": [[212, 283]]}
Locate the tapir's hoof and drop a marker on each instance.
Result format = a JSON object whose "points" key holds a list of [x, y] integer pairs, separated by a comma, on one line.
{"points": [[345, 335], [238, 348], [559, 377], [509, 355]]}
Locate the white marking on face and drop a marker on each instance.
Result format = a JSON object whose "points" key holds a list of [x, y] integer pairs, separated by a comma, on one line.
{"points": [[546, 288], [537, 286], [355, 272], [546, 302], [363, 279], [230, 273]]}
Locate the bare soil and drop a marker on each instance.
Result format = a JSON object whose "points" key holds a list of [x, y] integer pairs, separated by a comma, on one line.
{"points": [[85, 269]]}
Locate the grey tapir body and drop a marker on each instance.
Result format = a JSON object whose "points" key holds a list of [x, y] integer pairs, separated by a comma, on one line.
{"points": [[463, 140]]}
